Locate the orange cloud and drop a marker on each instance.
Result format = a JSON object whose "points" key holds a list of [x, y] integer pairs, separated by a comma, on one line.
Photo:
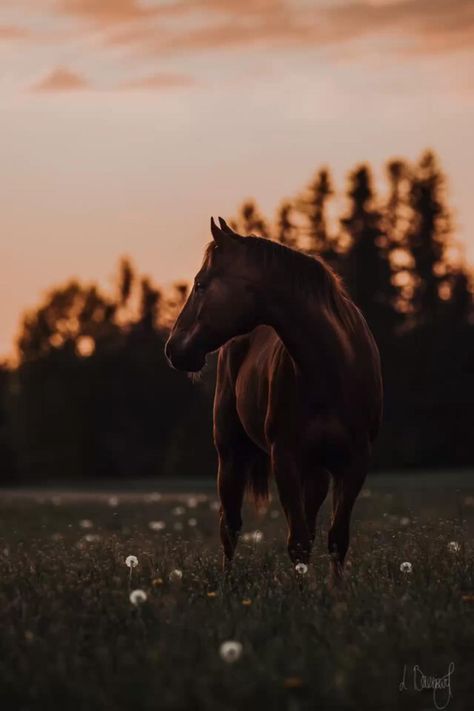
{"points": [[60, 79], [119, 11], [429, 25], [159, 28]]}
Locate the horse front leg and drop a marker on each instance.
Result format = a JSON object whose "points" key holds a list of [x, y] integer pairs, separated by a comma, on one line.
{"points": [[347, 483], [290, 490], [316, 485], [231, 482]]}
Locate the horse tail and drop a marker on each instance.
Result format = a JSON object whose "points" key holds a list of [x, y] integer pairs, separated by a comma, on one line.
{"points": [[258, 481]]}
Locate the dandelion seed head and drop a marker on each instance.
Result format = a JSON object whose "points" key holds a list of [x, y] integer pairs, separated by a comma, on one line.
{"points": [[230, 651], [138, 597], [301, 568], [91, 538], [86, 523], [454, 547], [406, 567], [113, 501], [157, 525], [192, 522], [175, 576], [192, 502], [178, 511], [131, 561]]}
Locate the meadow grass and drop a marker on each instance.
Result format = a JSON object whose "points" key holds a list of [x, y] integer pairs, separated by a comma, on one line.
{"points": [[71, 639]]}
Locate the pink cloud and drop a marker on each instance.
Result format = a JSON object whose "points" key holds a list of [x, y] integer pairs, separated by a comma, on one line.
{"points": [[11, 32], [60, 79]]}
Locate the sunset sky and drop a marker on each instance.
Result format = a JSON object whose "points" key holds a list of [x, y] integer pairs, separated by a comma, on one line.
{"points": [[127, 123]]}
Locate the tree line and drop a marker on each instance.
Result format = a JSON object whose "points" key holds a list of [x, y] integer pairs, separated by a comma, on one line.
{"points": [[92, 396]]}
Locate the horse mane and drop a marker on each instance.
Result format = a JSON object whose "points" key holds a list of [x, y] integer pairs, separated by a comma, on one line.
{"points": [[307, 275]]}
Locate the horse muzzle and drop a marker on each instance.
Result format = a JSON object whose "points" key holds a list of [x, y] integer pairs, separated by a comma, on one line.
{"points": [[182, 357]]}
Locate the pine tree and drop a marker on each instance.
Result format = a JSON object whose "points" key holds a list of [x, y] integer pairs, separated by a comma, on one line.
{"points": [[368, 268], [286, 231], [428, 235], [149, 305], [250, 221], [313, 206], [395, 221]]}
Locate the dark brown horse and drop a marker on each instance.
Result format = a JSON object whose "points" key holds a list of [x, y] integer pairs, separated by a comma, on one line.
{"points": [[299, 390]]}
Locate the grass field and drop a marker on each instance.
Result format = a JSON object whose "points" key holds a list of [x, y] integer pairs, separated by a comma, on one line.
{"points": [[71, 639]]}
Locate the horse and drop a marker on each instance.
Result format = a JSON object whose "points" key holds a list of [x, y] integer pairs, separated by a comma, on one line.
{"points": [[299, 387]]}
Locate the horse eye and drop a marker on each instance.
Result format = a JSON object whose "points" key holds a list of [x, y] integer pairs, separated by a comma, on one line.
{"points": [[199, 285]]}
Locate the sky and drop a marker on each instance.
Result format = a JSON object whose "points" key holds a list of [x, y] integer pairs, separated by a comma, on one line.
{"points": [[126, 123]]}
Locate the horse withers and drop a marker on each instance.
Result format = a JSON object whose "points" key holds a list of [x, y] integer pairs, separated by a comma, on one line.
{"points": [[299, 389]]}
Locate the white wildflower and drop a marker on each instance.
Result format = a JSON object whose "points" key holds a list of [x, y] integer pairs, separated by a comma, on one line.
{"points": [[157, 525], [230, 651], [301, 568], [138, 597], [131, 561]]}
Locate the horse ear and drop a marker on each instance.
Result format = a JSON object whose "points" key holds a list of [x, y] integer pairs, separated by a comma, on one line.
{"points": [[225, 227], [217, 234]]}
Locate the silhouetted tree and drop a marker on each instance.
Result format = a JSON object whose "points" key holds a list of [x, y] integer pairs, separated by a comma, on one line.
{"points": [[428, 235], [8, 468], [250, 221], [396, 217], [313, 206], [286, 232], [368, 270], [125, 280], [149, 305]]}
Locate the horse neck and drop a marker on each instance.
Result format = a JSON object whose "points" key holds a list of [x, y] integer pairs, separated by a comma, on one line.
{"points": [[310, 331]]}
